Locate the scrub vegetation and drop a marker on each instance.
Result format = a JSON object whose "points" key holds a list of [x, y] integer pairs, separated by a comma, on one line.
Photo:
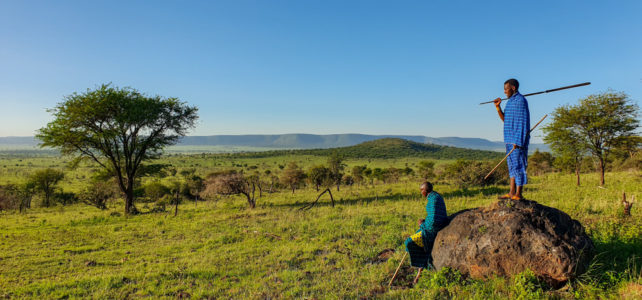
{"points": [[191, 241]]}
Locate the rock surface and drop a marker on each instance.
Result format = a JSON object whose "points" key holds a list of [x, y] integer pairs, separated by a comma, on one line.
{"points": [[508, 237]]}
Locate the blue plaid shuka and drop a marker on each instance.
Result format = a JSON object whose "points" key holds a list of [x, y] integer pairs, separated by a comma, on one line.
{"points": [[517, 164], [517, 124], [419, 245]]}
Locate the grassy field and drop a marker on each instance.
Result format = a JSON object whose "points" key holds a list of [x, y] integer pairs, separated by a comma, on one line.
{"points": [[222, 249]]}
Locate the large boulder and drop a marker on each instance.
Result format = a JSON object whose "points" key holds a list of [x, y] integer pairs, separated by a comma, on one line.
{"points": [[508, 237]]}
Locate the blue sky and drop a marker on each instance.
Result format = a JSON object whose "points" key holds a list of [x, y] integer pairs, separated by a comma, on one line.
{"points": [[270, 67]]}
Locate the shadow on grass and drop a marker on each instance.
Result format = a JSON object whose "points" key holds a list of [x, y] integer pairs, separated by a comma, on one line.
{"points": [[620, 256], [485, 191], [325, 201]]}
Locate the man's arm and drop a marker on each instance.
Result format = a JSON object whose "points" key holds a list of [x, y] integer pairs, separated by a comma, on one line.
{"points": [[499, 108]]}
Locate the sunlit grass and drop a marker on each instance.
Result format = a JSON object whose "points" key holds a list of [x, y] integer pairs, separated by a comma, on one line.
{"points": [[220, 248]]}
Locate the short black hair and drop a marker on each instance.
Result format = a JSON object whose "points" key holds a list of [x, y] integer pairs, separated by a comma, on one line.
{"points": [[428, 186], [513, 82]]}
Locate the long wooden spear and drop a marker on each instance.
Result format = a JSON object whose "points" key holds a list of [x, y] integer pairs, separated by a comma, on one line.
{"points": [[546, 91], [511, 151]]}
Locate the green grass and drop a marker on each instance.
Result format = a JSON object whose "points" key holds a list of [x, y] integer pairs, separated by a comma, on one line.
{"points": [[222, 249]]}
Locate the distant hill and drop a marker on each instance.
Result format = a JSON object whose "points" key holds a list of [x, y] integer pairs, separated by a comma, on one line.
{"points": [[314, 141], [304, 141], [387, 148]]}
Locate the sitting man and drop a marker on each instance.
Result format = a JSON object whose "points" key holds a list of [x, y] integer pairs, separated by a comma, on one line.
{"points": [[419, 245]]}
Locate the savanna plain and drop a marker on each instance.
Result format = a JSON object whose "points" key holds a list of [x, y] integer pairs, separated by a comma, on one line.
{"points": [[218, 247]]}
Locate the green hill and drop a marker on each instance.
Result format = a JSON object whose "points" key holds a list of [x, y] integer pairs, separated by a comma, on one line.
{"points": [[387, 148]]}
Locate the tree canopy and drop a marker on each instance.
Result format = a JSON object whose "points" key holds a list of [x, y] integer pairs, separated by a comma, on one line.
{"points": [[119, 129], [599, 124]]}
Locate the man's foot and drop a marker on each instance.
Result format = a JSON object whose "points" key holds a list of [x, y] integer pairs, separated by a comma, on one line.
{"points": [[503, 197], [517, 198]]}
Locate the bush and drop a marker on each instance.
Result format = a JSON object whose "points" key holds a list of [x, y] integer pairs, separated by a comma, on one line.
{"points": [[540, 163], [98, 193], [66, 198], [154, 191], [9, 198], [470, 173]]}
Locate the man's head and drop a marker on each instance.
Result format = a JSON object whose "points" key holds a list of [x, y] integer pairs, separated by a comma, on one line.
{"points": [[425, 188], [510, 87]]}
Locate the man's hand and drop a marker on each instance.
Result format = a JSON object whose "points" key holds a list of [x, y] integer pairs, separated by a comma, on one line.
{"points": [[499, 108], [420, 221], [515, 146]]}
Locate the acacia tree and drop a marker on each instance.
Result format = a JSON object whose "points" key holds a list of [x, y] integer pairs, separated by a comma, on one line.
{"points": [[45, 181], [231, 183], [292, 176], [336, 166], [426, 169], [565, 139], [319, 175], [358, 173], [119, 129], [602, 122]]}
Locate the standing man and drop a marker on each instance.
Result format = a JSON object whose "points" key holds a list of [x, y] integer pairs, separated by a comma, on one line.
{"points": [[517, 124]]}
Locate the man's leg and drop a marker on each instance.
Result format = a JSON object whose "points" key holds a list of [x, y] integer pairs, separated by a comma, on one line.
{"points": [[519, 192], [512, 187], [417, 278]]}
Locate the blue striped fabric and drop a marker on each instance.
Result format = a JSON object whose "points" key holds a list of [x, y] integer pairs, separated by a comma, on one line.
{"points": [[517, 164], [517, 121], [436, 219], [436, 215]]}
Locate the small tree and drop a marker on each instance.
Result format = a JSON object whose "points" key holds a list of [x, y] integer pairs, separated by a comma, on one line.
{"points": [[119, 129], [292, 176], [336, 166], [97, 193], [369, 173], [230, 183], [426, 169], [318, 175], [540, 162], [358, 173], [45, 182], [9, 197], [565, 139]]}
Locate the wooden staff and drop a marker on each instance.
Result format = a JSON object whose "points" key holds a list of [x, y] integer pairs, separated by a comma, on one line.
{"points": [[511, 151], [546, 91], [401, 262]]}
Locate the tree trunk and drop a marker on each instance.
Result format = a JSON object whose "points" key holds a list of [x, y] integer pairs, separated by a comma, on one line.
{"points": [[176, 202], [250, 201], [577, 173], [129, 200], [292, 189], [602, 171]]}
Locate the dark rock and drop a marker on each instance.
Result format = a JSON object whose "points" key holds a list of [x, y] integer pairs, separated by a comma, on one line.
{"points": [[508, 237]]}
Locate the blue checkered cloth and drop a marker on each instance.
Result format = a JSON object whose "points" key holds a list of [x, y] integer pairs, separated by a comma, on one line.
{"points": [[517, 123], [517, 164], [436, 219]]}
